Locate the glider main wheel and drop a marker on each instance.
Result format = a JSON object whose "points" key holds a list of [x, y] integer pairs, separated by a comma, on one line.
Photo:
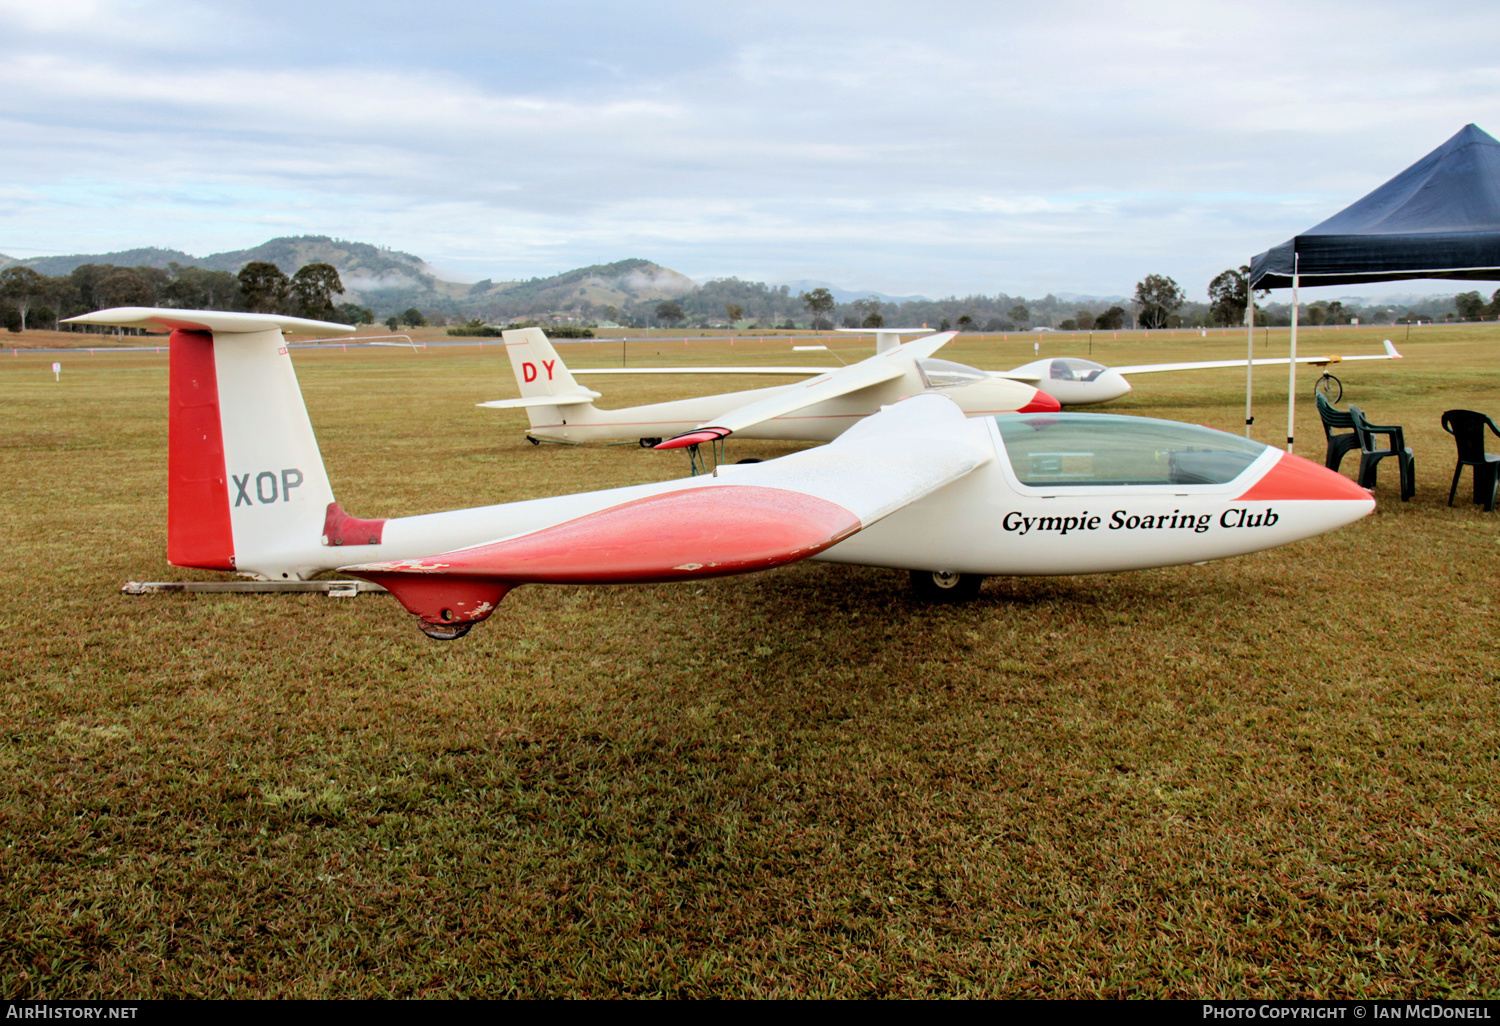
{"points": [[749, 459], [943, 586], [1329, 387], [650, 443], [444, 631]]}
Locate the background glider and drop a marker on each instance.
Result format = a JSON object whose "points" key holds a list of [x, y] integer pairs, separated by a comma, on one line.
{"points": [[1071, 380], [818, 410]]}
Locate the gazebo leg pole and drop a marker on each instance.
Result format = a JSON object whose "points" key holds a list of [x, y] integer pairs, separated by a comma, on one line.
{"points": [[1291, 367], [1249, 349]]}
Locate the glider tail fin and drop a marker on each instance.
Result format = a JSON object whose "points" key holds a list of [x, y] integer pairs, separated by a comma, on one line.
{"points": [[539, 370], [540, 375], [246, 486]]}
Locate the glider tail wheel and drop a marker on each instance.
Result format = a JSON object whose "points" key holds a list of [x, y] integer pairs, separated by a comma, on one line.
{"points": [[749, 459], [943, 586], [1329, 387]]}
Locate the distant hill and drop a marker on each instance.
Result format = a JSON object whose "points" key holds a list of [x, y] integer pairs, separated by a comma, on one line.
{"points": [[389, 281], [353, 259], [151, 256]]}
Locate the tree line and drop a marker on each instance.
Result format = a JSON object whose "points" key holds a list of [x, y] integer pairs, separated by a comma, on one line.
{"points": [[31, 299]]}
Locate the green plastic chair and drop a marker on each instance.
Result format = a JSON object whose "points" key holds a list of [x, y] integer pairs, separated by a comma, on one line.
{"points": [[1338, 444], [1371, 452], [1467, 429]]}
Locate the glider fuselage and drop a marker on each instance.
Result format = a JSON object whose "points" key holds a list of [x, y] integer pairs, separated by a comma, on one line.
{"points": [[990, 522]]}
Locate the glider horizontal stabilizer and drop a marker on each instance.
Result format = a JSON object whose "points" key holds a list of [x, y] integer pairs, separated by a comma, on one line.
{"points": [[154, 318], [574, 399]]}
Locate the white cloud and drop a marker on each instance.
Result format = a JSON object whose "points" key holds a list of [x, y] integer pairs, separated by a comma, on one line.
{"points": [[962, 147]]}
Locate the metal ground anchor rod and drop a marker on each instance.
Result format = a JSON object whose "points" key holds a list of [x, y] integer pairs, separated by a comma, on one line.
{"points": [[333, 589]]}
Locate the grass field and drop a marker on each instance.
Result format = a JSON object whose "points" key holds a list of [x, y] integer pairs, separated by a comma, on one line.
{"points": [[1272, 776]]}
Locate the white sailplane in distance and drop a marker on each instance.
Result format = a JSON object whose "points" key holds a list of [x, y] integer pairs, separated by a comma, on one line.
{"points": [[818, 410], [1074, 381], [1070, 380]]}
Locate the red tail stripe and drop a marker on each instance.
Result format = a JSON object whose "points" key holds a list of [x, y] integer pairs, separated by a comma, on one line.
{"points": [[198, 526]]}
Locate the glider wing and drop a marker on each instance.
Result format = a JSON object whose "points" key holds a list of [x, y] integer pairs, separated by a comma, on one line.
{"points": [[876, 370], [1152, 368], [743, 519], [799, 371]]}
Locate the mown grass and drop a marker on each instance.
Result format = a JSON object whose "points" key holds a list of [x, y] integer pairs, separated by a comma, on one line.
{"points": [[1271, 776]]}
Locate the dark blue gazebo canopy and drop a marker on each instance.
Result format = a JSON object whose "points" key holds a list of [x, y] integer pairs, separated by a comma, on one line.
{"points": [[1440, 218]]}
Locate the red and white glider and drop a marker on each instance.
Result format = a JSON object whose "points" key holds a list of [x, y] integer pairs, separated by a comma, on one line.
{"points": [[916, 486]]}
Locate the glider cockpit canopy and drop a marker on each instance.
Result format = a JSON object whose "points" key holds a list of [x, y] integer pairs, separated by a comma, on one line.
{"points": [[947, 374], [1072, 368], [1091, 449]]}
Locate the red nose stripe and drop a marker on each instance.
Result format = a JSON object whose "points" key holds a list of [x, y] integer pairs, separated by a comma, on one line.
{"points": [[1041, 402], [1296, 478]]}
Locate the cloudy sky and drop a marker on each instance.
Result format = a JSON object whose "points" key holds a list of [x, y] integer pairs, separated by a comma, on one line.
{"points": [[950, 148]]}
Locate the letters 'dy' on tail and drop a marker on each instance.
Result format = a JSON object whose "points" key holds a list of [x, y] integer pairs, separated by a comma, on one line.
{"points": [[539, 370]]}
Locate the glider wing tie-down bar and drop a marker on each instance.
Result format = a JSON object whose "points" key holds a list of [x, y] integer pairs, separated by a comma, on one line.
{"points": [[333, 589]]}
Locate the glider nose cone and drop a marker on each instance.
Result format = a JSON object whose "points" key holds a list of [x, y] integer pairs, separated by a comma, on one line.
{"points": [[1112, 385], [1041, 402], [1295, 478]]}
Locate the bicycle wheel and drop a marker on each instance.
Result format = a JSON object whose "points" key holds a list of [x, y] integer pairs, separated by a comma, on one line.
{"points": [[1330, 387]]}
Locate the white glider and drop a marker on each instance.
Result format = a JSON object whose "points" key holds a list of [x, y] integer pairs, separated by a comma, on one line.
{"points": [[1074, 381], [916, 486], [1071, 380], [819, 410]]}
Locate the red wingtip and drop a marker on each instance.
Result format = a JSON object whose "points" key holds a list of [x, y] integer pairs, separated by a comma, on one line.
{"points": [[1041, 402], [698, 437]]}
